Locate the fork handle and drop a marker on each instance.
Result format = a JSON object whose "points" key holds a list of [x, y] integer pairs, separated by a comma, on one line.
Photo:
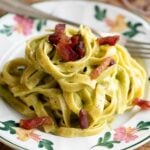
{"points": [[18, 7]]}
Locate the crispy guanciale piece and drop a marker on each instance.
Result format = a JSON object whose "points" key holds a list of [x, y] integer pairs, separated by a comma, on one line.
{"points": [[110, 40], [66, 52], [59, 32], [105, 64], [83, 119], [77, 45], [35, 122], [69, 49], [143, 104]]}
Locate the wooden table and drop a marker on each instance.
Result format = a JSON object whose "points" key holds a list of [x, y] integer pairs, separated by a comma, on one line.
{"points": [[114, 2]]}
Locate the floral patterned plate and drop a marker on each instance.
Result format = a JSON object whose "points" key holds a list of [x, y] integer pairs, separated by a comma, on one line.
{"points": [[128, 131]]}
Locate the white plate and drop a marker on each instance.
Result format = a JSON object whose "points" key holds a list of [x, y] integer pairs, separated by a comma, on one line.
{"points": [[14, 30]]}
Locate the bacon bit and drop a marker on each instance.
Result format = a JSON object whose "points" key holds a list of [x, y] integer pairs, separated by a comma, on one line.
{"points": [[75, 40], [53, 39], [83, 119], [80, 49], [66, 52], [60, 28], [35, 122], [59, 32], [69, 49], [77, 45], [97, 71], [110, 40], [144, 104]]}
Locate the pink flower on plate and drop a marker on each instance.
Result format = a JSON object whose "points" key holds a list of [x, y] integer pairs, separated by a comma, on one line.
{"points": [[23, 25], [118, 24], [125, 134], [25, 135]]}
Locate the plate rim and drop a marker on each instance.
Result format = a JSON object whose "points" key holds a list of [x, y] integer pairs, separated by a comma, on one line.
{"points": [[10, 144], [87, 1], [134, 145]]}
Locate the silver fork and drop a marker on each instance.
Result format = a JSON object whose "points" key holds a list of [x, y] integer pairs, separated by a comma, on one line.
{"points": [[136, 48]]}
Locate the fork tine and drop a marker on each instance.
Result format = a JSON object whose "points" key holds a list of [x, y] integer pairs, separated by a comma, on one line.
{"points": [[136, 47], [140, 54], [137, 42]]}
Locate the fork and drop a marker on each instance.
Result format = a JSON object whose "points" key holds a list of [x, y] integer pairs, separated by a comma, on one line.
{"points": [[136, 48]]}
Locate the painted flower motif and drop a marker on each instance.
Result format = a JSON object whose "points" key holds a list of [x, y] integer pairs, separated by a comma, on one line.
{"points": [[23, 25], [125, 134], [25, 135], [116, 25]]}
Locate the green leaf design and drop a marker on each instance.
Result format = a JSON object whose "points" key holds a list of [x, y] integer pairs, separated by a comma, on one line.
{"points": [[105, 141], [109, 145], [143, 129], [40, 24], [100, 140], [143, 125], [7, 26], [107, 136], [137, 25], [7, 30], [8, 126], [139, 124], [99, 13], [46, 144], [40, 145], [132, 29], [115, 141], [146, 124]]}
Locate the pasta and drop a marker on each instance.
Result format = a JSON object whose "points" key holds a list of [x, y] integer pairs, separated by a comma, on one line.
{"points": [[42, 84]]}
